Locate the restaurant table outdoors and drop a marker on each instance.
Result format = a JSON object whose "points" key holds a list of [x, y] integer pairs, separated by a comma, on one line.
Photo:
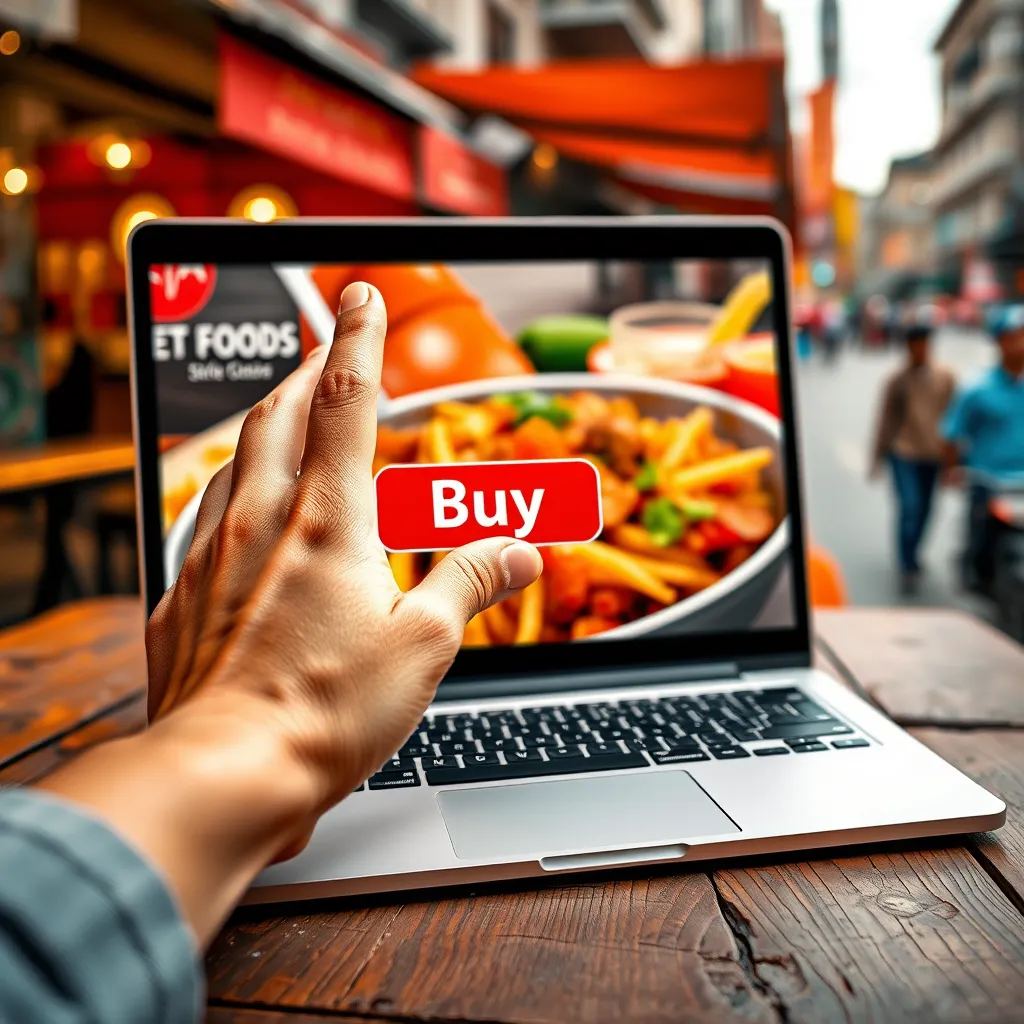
{"points": [[54, 470], [920, 931]]}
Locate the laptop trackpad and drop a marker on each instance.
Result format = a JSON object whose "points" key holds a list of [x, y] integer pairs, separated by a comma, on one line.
{"points": [[598, 812]]}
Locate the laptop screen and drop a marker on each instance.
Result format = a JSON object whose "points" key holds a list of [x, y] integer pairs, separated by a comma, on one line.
{"points": [[623, 415]]}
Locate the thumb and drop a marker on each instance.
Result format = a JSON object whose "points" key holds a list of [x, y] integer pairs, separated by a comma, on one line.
{"points": [[472, 578]]}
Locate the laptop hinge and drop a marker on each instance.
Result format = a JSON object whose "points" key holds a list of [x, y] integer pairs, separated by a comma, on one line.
{"points": [[488, 689]]}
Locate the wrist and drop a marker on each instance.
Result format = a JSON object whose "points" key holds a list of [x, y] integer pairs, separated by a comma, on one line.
{"points": [[209, 796], [239, 749]]}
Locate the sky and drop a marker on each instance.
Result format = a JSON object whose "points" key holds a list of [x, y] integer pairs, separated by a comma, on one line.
{"points": [[889, 98]]}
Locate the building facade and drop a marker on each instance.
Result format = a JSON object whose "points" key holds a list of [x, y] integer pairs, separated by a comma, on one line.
{"points": [[897, 244], [734, 28], [977, 187], [531, 32]]}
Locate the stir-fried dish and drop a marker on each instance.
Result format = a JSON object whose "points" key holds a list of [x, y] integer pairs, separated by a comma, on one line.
{"points": [[682, 506]]}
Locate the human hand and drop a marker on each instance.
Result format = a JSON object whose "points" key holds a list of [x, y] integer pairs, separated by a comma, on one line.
{"points": [[952, 477], [286, 602]]}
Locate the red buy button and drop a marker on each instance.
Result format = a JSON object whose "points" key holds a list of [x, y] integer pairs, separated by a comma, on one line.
{"points": [[434, 508]]}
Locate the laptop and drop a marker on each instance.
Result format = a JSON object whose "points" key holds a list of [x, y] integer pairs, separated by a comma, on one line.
{"points": [[652, 700]]}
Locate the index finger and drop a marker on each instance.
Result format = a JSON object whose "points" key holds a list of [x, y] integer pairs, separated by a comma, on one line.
{"points": [[335, 490]]}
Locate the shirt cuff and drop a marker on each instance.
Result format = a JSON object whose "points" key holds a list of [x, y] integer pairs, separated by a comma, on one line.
{"points": [[99, 924]]}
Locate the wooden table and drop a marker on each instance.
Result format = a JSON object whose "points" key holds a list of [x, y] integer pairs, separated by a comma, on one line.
{"points": [[53, 470], [928, 931], [59, 462]]}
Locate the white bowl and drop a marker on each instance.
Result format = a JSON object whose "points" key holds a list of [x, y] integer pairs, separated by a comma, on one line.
{"points": [[731, 604]]}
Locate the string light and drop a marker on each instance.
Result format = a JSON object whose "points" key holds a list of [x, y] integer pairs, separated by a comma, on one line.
{"points": [[545, 156], [133, 211], [15, 181], [261, 209], [262, 204], [10, 43], [118, 155]]}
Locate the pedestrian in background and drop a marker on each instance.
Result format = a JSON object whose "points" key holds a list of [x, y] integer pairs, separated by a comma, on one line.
{"points": [[984, 430], [914, 401]]}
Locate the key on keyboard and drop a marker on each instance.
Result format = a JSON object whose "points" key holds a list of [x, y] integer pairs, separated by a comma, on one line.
{"points": [[678, 730], [532, 769]]}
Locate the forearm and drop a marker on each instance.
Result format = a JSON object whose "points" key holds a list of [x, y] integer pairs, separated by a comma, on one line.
{"points": [[208, 795]]}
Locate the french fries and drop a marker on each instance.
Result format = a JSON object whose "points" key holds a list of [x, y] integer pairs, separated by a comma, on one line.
{"points": [[501, 626], [476, 633], [719, 471], [608, 565], [686, 436], [682, 505], [403, 566], [531, 613]]}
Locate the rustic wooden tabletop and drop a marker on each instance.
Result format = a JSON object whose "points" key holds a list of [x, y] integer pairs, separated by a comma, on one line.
{"points": [[917, 932], [58, 462]]}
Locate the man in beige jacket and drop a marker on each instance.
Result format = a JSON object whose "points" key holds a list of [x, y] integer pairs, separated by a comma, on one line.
{"points": [[914, 400]]}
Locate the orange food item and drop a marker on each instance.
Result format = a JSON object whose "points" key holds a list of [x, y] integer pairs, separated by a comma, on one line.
{"points": [[751, 524], [448, 344], [591, 625], [438, 331], [611, 602], [410, 290], [825, 579], [752, 372], [331, 280], [538, 439], [567, 584]]}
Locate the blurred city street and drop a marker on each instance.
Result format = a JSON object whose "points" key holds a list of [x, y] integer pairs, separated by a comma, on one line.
{"points": [[851, 516]]}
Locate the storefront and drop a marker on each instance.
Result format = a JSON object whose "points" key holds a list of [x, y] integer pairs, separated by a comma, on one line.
{"points": [[283, 141]]}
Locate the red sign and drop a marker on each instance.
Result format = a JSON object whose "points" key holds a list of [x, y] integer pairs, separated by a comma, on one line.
{"points": [[271, 105], [457, 180], [437, 507], [177, 291]]}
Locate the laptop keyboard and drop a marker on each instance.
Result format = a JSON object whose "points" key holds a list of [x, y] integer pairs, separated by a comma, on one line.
{"points": [[611, 735]]}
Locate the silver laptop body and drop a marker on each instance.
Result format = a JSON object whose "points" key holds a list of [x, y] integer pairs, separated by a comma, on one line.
{"points": [[715, 738]]}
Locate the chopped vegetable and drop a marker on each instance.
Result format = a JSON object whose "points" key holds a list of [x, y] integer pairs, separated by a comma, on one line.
{"points": [[530, 404], [698, 511], [538, 438], [711, 536], [751, 524], [647, 478], [664, 521]]}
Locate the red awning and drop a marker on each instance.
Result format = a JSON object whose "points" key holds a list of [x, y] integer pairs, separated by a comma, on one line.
{"points": [[715, 130]]}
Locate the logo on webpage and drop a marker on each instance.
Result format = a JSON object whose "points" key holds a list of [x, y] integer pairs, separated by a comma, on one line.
{"points": [[178, 291]]}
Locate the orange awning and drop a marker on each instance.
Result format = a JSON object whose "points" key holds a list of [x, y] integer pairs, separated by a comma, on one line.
{"points": [[715, 129]]}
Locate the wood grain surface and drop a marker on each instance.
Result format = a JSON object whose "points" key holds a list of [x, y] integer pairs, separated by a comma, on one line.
{"points": [[66, 669], [995, 760], [909, 936], [233, 1015], [55, 462], [915, 932], [928, 667]]}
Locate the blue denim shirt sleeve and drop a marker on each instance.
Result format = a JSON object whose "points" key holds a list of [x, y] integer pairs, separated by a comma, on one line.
{"points": [[88, 930]]}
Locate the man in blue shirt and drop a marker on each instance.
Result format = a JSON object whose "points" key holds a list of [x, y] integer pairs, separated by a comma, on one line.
{"points": [[984, 429]]}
